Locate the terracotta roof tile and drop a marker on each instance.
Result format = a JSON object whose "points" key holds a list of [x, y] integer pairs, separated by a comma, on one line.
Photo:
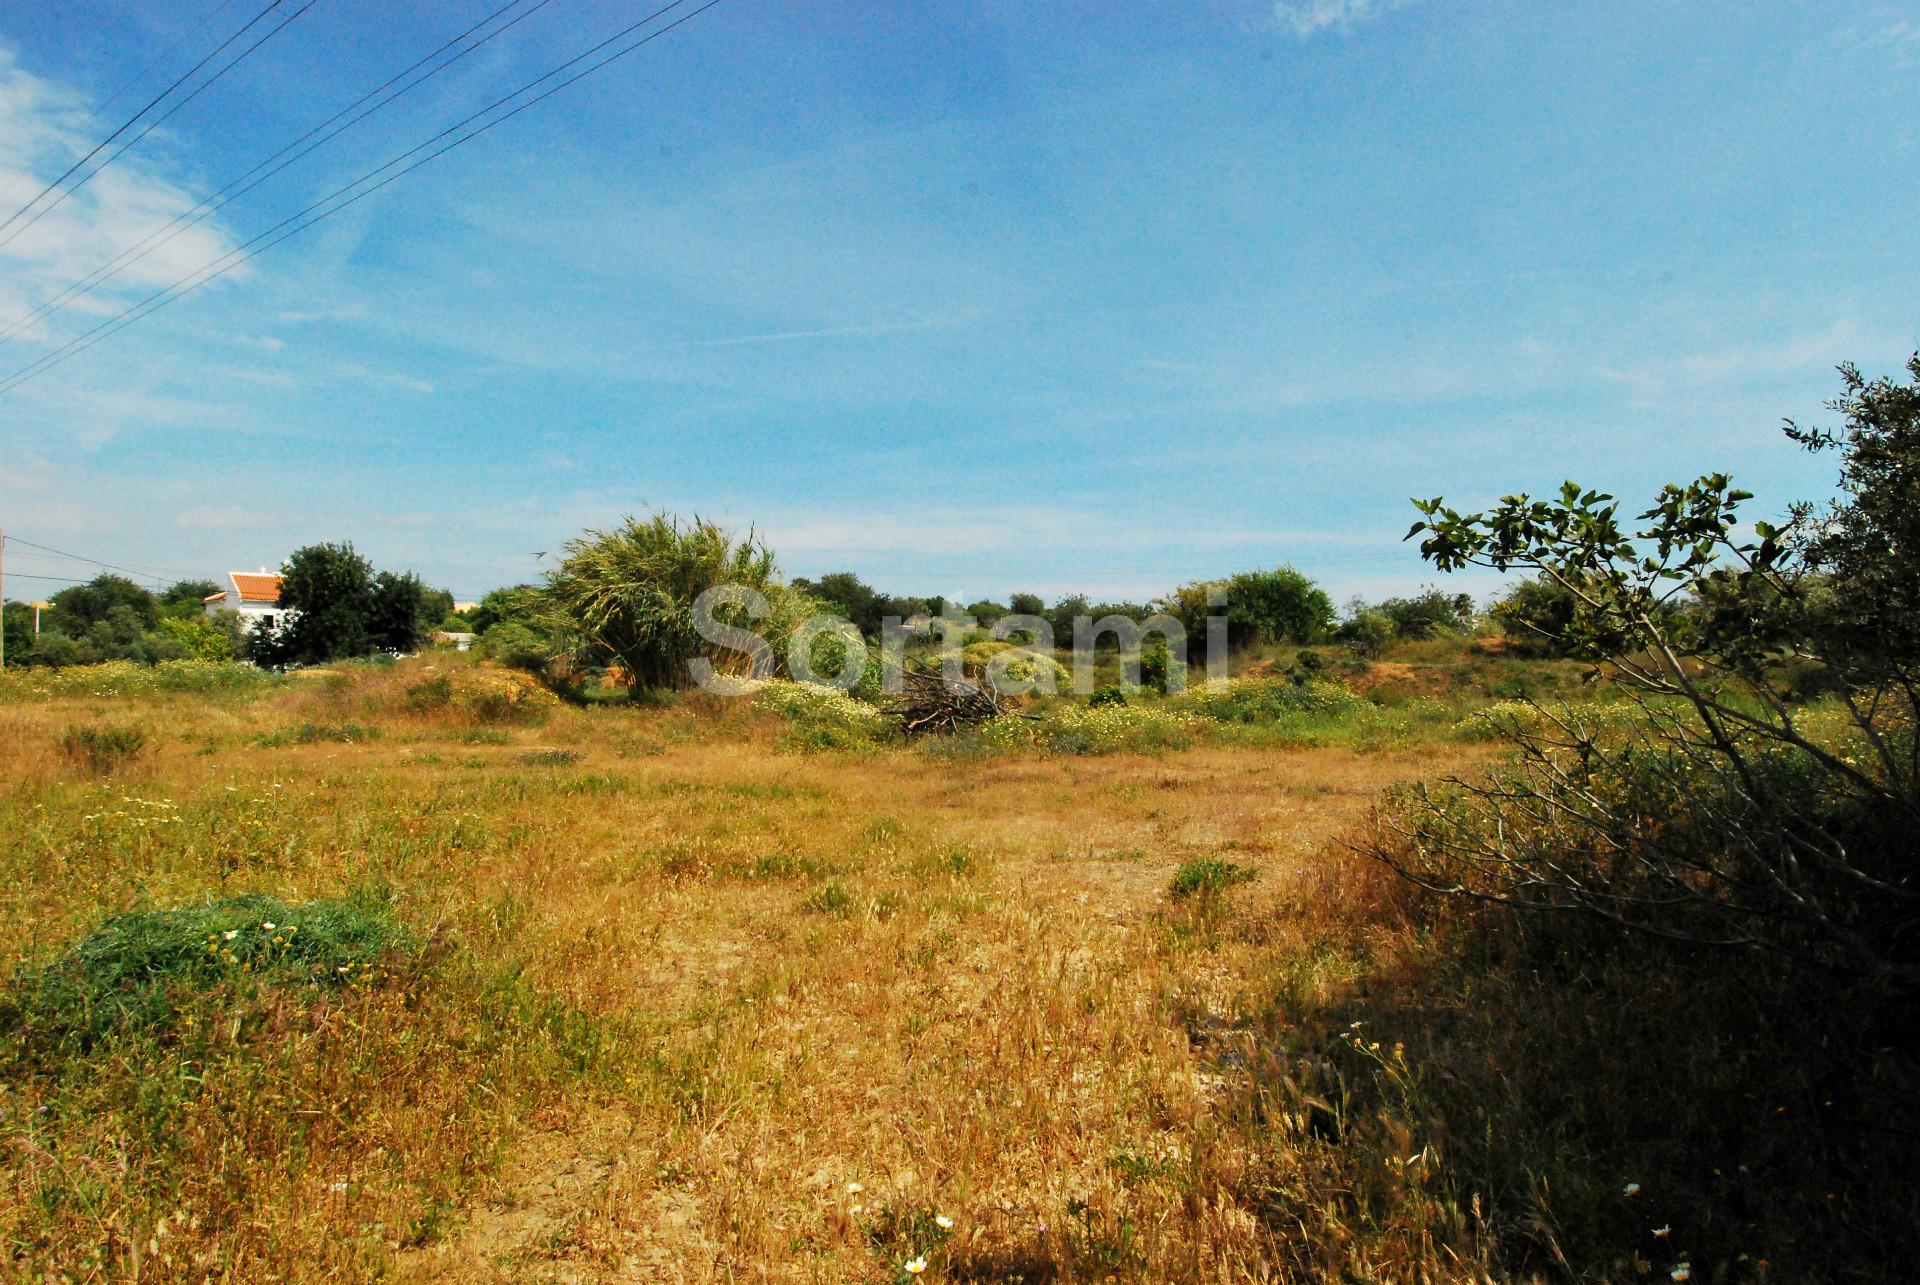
{"points": [[256, 588]]}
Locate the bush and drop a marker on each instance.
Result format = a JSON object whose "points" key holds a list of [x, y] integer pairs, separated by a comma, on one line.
{"points": [[125, 678], [1281, 605], [1084, 729], [1252, 700], [821, 717], [514, 645], [137, 970], [626, 599], [101, 750]]}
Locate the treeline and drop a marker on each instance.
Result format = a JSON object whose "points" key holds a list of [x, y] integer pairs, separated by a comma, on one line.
{"points": [[333, 605], [112, 618]]}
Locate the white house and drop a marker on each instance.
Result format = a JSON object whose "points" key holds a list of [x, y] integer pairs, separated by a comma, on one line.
{"points": [[255, 596]]}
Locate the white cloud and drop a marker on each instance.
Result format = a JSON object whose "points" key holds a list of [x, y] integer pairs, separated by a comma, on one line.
{"points": [[44, 128], [1311, 17]]}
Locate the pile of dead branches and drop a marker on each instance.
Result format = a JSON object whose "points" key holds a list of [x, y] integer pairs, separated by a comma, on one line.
{"points": [[938, 704]]}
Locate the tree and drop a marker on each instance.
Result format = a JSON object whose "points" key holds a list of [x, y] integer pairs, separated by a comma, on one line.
{"points": [[400, 615], [189, 593], [1281, 605], [1865, 546], [1429, 613], [327, 595], [521, 604], [1724, 813], [849, 596], [1536, 614], [198, 637], [1027, 604], [77, 610], [625, 598]]}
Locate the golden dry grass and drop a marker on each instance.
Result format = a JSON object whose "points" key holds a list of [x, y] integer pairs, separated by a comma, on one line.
{"points": [[677, 989]]}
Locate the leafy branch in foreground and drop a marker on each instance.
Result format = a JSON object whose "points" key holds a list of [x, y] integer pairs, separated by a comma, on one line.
{"points": [[1765, 793]]}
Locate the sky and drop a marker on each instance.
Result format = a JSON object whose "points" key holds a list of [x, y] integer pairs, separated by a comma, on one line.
{"points": [[965, 298]]}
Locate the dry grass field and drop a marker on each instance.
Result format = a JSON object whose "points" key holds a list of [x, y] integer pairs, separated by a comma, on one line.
{"points": [[410, 973], [666, 1001]]}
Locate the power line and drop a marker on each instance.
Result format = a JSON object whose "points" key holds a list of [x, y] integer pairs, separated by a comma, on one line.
{"points": [[228, 194], [161, 57], [23, 575], [275, 235], [80, 557], [152, 125]]}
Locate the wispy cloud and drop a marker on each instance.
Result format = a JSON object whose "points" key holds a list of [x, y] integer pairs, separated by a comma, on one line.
{"points": [[44, 128], [1312, 17]]}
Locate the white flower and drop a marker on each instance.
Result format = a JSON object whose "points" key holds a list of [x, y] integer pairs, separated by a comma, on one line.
{"points": [[231, 933], [854, 1189], [1661, 1233], [944, 1222], [914, 1266], [1631, 1189], [267, 927], [1684, 1272]]}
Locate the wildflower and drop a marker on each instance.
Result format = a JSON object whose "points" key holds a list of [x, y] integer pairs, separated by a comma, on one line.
{"points": [[943, 1222], [1661, 1233], [914, 1266], [1630, 1190], [854, 1189], [267, 927], [1684, 1272], [856, 1208]]}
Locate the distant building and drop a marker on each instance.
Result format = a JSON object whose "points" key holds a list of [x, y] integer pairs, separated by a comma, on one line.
{"points": [[255, 597]]}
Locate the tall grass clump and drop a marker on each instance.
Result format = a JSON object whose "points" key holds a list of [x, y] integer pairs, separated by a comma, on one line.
{"points": [[104, 749]]}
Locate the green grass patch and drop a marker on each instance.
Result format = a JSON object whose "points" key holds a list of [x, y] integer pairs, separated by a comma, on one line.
{"points": [[1209, 877], [139, 969]]}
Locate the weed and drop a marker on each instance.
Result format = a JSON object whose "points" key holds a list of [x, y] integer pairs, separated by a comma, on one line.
{"points": [[101, 750], [1209, 877]]}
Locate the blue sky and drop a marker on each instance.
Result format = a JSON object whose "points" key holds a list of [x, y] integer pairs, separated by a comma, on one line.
{"points": [[968, 298]]}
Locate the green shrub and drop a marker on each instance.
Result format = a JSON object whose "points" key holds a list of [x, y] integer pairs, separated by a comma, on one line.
{"points": [[101, 750], [550, 758], [136, 970], [1083, 729], [126, 678], [1252, 700], [821, 717], [1209, 877]]}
